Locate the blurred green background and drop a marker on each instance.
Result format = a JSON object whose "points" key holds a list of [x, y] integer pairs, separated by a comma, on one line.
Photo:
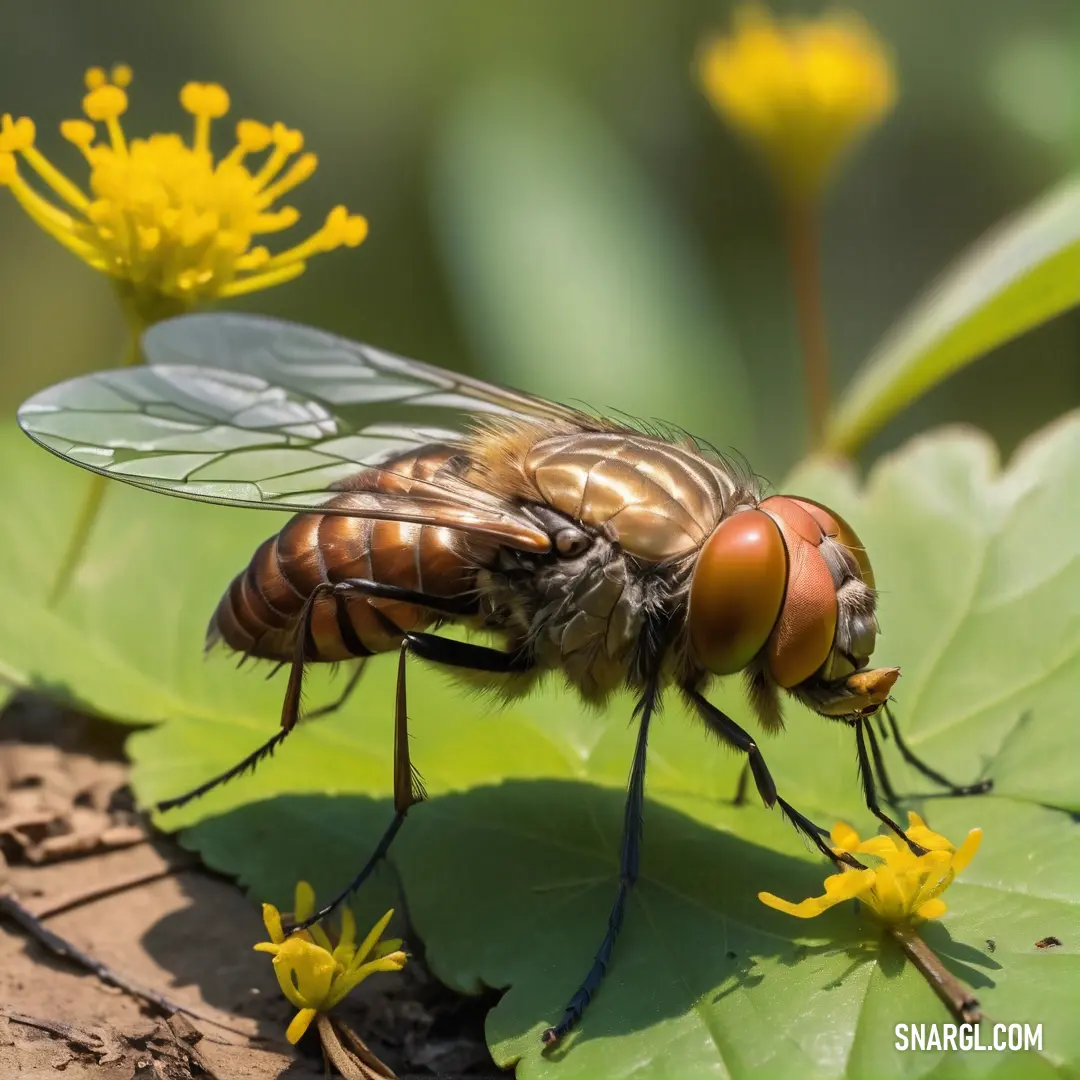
{"points": [[553, 203]]}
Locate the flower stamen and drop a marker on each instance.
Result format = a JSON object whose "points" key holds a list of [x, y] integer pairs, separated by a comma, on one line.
{"points": [[160, 216]]}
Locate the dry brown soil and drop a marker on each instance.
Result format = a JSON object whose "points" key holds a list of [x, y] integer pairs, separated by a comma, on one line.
{"points": [[68, 830]]}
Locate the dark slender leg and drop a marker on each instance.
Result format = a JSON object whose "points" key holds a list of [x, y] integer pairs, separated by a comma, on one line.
{"points": [[339, 701], [865, 771], [879, 767], [408, 786], [408, 789], [290, 710], [908, 755], [629, 859], [728, 731], [445, 605], [453, 653]]}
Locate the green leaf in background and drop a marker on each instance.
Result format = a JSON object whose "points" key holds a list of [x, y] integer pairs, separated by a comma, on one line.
{"points": [[571, 275], [1018, 276], [510, 868]]}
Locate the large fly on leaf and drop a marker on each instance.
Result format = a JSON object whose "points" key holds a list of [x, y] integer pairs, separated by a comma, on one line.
{"points": [[610, 555]]}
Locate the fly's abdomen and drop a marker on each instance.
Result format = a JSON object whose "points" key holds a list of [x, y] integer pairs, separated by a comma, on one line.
{"points": [[260, 614]]}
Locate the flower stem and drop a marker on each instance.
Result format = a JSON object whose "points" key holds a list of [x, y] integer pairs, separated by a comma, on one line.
{"points": [[961, 1002], [91, 506], [350, 1067], [804, 252]]}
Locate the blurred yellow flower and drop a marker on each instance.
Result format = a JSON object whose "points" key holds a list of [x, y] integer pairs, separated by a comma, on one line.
{"points": [[313, 972], [170, 224], [801, 90], [903, 888]]}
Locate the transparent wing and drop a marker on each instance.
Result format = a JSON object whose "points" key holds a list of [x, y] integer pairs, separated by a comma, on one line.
{"points": [[359, 383], [270, 432]]}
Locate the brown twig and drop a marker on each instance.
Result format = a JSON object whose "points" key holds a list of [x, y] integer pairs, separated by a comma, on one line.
{"points": [[26, 920], [110, 888], [69, 1032], [961, 1002]]}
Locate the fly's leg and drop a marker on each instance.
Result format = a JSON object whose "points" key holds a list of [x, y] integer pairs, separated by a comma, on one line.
{"points": [[408, 786], [887, 789], [979, 788], [290, 710], [341, 699], [629, 859], [452, 605], [408, 790], [721, 725], [862, 726], [302, 647]]}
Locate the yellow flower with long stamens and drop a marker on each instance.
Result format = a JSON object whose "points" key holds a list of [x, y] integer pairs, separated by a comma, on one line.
{"points": [[903, 888], [314, 972], [802, 90], [170, 224]]}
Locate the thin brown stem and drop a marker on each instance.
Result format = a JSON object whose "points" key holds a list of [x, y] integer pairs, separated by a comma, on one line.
{"points": [[346, 1063], [961, 1002], [802, 222], [108, 888], [91, 504]]}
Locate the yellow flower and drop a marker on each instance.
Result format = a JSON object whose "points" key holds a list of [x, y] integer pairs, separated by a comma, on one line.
{"points": [[313, 972], [802, 91], [161, 216], [903, 888]]}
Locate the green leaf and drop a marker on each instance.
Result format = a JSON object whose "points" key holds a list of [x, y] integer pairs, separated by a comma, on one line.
{"points": [[1021, 274], [510, 868], [571, 276]]}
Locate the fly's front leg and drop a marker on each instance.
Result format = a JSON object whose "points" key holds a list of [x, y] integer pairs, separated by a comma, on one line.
{"points": [[721, 725], [981, 787], [862, 726]]}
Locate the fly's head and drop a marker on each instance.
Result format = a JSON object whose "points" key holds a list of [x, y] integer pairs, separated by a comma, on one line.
{"points": [[785, 591]]}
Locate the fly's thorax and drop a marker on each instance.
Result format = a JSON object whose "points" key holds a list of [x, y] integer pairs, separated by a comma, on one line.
{"points": [[784, 590], [658, 500], [580, 612]]}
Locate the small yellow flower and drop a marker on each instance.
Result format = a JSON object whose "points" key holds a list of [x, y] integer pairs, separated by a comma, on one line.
{"points": [[161, 216], [903, 888], [313, 972], [802, 91]]}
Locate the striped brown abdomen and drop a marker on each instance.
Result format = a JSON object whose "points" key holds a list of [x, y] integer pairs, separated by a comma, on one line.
{"points": [[260, 613]]}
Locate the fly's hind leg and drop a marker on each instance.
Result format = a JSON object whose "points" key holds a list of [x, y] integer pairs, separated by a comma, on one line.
{"points": [[291, 704], [408, 790], [408, 786], [290, 710]]}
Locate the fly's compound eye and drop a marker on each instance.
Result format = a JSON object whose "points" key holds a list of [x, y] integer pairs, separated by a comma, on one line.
{"points": [[834, 526], [570, 543], [803, 635], [736, 591]]}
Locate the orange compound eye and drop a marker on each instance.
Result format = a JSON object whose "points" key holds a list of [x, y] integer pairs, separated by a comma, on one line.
{"points": [[803, 636], [835, 526], [737, 590]]}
